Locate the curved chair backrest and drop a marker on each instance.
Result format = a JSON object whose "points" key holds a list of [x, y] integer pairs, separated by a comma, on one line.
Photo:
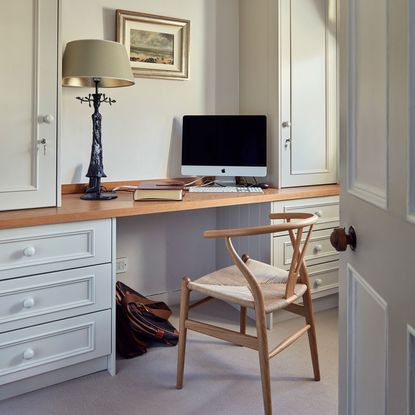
{"points": [[295, 230]]}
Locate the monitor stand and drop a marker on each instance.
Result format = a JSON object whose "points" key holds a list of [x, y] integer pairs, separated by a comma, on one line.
{"points": [[225, 181]]}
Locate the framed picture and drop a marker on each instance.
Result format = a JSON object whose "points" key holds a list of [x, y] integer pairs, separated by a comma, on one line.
{"points": [[158, 47]]}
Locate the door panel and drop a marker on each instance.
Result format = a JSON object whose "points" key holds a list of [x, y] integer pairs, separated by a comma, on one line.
{"points": [[308, 64], [29, 40], [411, 370], [377, 297], [369, 108], [308, 83], [21, 104], [367, 359]]}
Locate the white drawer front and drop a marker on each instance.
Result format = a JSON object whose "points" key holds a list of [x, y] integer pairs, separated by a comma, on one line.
{"points": [[38, 249], [324, 279], [327, 208], [35, 350], [319, 249], [34, 300]]}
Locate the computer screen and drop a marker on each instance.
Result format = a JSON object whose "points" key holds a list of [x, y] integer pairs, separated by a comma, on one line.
{"points": [[224, 145]]}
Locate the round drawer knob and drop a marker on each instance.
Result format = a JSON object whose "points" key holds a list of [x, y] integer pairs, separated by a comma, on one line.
{"points": [[28, 302], [48, 119], [28, 354], [318, 282], [318, 248], [319, 213], [29, 251]]}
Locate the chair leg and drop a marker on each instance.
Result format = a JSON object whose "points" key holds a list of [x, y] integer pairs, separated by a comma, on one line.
{"points": [[264, 361], [184, 311], [242, 320], [312, 338]]}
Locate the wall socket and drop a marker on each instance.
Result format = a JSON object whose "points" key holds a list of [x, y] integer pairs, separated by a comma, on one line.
{"points": [[121, 265]]}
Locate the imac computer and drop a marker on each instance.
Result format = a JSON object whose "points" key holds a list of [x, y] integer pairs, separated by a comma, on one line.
{"points": [[224, 146]]}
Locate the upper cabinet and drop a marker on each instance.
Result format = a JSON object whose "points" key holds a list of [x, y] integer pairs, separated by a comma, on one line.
{"points": [[288, 70], [28, 121]]}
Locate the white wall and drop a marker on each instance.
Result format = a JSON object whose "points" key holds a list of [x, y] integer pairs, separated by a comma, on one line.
{"points": [[141, 132]]}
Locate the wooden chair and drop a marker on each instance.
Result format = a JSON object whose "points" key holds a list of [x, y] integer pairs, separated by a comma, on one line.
{"points": [[253, 284]]}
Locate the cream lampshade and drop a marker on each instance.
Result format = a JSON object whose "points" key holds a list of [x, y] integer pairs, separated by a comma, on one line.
{"points": [[96, 63], [89, 59]]}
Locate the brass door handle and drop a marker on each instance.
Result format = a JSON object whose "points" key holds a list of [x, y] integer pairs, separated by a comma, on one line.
{"points": [[340, 239]]}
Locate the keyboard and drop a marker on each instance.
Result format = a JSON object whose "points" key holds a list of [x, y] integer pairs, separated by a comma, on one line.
{"points": [[225, 189]]}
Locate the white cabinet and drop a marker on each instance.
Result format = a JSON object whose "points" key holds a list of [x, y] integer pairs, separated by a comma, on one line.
{"points": [[56, 303], [321, 258], [288, 70], [28, 108]]}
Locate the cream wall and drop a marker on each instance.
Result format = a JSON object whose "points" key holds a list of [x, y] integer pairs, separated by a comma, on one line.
{"points": [[141, 132]]}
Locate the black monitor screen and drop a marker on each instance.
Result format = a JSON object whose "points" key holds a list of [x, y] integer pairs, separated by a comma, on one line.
{"points": [[224, 140]]}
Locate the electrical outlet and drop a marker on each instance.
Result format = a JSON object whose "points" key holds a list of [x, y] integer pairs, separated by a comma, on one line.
{"points": [[121, 265]]}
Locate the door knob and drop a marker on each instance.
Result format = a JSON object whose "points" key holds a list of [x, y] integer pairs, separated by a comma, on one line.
{"points": [[340, 239]]}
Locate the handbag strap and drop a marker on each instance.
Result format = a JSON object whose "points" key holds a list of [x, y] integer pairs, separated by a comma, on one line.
{"points": [[133, 298]]}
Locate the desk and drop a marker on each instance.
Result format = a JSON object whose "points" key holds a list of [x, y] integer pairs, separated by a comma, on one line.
{"points": [[57, 279], [74, 209]]}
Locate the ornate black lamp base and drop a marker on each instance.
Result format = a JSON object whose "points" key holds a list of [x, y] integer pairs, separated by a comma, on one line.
{"points": [[98, 196], [96, 167]]}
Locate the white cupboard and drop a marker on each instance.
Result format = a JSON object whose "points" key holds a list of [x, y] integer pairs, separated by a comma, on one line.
{"points": [[28, 108], [57, 308], [288, 70]]}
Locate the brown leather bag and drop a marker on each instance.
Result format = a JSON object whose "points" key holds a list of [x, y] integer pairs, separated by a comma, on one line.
{"points": [[141, 321]]}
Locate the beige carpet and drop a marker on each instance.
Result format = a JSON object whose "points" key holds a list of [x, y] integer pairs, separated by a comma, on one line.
{"points": [[219, 379]]}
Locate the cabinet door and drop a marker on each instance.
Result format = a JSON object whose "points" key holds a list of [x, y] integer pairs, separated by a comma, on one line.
{"points": [[28, 106], [308, 92]]}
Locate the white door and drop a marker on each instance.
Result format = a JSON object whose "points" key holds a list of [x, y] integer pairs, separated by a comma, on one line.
{"points": [[377, 280], [308, 65], [28, 104]]}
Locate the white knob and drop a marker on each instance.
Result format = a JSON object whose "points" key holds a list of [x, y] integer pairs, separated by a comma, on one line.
{"points": [[48, 119], [29, 251], [318, 248], [318, 282], [28, 302], [319, 213], [28, 354]]}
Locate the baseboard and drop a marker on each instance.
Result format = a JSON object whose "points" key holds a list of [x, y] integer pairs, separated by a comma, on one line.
{"points": [[172, 298]]}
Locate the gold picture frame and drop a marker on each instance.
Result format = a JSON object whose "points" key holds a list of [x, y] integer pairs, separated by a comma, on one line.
{"points": [[157, 46]]}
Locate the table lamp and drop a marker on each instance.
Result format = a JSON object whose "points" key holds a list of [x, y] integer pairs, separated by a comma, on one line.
{"points": [[99, 64]]}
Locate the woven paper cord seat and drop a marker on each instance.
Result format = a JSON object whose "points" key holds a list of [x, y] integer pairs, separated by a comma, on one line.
{"points": [[228, 284]]}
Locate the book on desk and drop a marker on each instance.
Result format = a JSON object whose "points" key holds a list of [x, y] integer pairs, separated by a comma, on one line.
{"points": [[159, 191]]}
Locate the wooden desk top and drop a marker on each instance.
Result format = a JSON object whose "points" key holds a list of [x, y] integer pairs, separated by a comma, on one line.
{"points": [[74, 209]]}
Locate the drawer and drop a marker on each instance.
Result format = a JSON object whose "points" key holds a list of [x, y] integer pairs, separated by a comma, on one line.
{"points": [[35, 350], [324, 279], [319, 249], [327, 208], [39, 249], [46, 297]]}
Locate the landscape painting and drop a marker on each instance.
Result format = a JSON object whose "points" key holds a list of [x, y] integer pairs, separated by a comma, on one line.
{"points": [[151, 47], [157, 46]]}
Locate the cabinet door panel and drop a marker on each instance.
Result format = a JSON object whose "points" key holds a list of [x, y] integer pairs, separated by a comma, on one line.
{"points": [[28, 45], [308, 86]]}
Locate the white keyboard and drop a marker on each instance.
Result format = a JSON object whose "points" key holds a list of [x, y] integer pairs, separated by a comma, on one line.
{"points": [[225, 189]]}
